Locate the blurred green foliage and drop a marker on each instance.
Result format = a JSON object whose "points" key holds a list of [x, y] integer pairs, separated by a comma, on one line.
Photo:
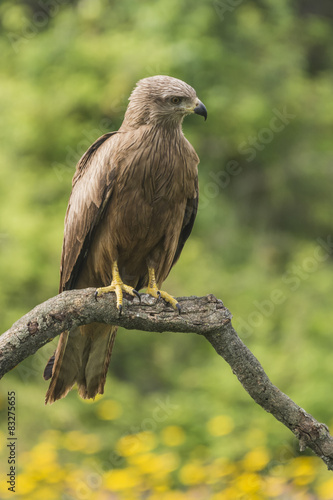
{"points": [[261, 242]]}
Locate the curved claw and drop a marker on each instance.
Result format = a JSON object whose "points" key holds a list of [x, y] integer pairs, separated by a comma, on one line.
{"points": [[120, 309], [155, 292], [96, 295], [136, 293]]}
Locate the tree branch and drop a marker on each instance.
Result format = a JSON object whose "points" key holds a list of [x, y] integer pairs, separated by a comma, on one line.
{"points": [[205, 316]]}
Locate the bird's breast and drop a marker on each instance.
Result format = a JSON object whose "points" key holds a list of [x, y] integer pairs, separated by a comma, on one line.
{"points": [[146, 210]]}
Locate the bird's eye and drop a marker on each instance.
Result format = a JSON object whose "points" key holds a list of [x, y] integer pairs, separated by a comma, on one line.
{"points": [[175, 100]]}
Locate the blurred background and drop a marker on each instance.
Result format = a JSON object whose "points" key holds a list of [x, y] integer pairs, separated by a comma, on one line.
{"points": [[174, 422]]}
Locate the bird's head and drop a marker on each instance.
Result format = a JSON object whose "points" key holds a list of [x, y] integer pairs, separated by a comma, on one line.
{"points": [[163, 100]]}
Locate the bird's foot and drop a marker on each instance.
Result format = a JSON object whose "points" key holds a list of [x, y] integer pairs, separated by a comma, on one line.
{"points": [[118, 287], [154, 291]]}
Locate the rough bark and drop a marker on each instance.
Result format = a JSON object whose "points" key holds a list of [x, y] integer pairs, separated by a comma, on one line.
{"points": [[205, 316]]}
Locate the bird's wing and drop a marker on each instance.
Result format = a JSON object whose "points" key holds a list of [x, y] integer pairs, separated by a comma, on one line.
{"points": [[92, 188], [188, 221]]}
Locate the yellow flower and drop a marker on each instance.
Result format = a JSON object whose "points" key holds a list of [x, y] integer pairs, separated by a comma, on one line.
{"points": [[256, 459], [325, 490], [303, 466], [149, 463], [56, 474], [26, 484], [224, 495], [192, 473], [77, 441], [128, 445], [173, 435], [121, 479], [219, 468], [109, 409], [169, 461], [248, 482], [230, 493], [74, 441], [302, 470], [131, 444], [42, 455], [173, 495], [220, 425], [43, 492]]}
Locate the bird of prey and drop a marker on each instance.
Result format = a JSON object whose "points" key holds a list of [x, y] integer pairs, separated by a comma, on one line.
{"points": [[132, 207]]}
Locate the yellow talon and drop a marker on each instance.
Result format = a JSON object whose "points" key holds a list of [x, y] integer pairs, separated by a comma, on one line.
{"points": [[118, 287], [155, 292]]}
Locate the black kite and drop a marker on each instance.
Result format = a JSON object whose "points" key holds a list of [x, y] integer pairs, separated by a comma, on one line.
{"points": [[132, 207]]}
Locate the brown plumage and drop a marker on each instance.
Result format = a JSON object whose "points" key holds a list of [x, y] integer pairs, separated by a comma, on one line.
{"points": [[133, 204]]}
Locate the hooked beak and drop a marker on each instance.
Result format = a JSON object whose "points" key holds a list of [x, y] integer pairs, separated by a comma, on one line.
{"points": [[200, 109]]}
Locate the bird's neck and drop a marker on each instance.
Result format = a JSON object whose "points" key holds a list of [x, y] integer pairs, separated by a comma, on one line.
{"points": [[169, 125]]}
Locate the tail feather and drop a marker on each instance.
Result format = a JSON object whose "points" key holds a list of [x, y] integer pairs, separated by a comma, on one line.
{"points": [[102, 381], [49, 367], [82, 357], [96, 360], [65, 366]]}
